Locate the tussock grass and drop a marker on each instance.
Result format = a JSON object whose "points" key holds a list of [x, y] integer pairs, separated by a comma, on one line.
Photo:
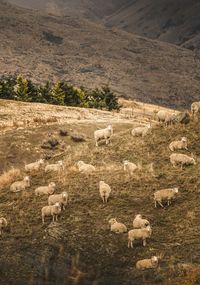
{"points": [[9, 177]]}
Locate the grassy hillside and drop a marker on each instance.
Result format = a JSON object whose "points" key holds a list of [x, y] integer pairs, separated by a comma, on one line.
{"points": [[82, 234]]}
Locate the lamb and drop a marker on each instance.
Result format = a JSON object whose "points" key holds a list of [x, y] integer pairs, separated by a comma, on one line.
{"points": [[141, 131], [164, 194], [45, 190], [130, 167], [35, 166], [182, 159], [53, 211], [57, 167], [62, 199], [182, 144], [104, 190], [103, 134], [147, 263], [20, 185], [85, 168], [139, 222], [3, 224], [195, 108], [116, 227], [139, 234]]}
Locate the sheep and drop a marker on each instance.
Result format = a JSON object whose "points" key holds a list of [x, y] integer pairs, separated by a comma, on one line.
{"points": [[18, 186], [164, 194], [130, 167], [147, 263], [62, 199], [57, 167], [183, 159], [161, 116], [116, 227], [141, 131], [139, 234], [170, 119], [103, 134], [3, 224], [35, 166], [139, 222], [85, 168], [45, 190], [195, 108], [104, 190], [182, 144], [53, 211]]}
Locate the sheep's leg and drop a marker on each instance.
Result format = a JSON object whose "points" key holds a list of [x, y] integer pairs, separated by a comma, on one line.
{"points": [[56, 217], [97, 143], [144, 242], [129, 243], [63, 207], [155, 204], [159, 202], [53, 218], [43, 219], [106, 199], [168, 202]]}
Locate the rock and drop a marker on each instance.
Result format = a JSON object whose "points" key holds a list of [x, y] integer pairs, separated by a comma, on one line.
{"points": [[78, 138], [183, 118]]}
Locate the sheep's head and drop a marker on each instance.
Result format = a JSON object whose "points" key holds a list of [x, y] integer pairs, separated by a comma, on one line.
{"points": [[80, 163], [125, 162], [101, 183], [41, 161], [176, 190], [52, 185], [64, 195], [138, 216], [57, 205], [60, 163], [112, 221], [109, 127], [149, 229], [184, 139], [154, 260]]}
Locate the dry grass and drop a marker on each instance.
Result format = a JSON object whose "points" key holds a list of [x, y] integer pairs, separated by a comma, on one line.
{"points": [[9, 177]]}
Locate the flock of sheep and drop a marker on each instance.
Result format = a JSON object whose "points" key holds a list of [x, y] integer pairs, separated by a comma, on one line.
{"points": [[141, 227]]}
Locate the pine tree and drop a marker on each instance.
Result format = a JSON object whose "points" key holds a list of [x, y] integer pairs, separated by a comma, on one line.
{"points": [[58, 94], [21, 89]]}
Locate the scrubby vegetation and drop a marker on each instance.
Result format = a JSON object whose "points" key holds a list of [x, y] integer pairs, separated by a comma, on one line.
{"points": [[60, 93]]}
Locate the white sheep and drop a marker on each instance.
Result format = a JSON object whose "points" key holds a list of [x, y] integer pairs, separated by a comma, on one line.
{"points": [[161, 116], [139, 234], [62, 199], [103, 134], [139, 222], [195, 108], [141, 131], [116, 227], [170, 119], [35, 166], [57, 167], [104, 190], [45, 190], [147, 263], [182, 159], [164, 194], [85, 168], [3, 224], [182, 144], [18, 186], [53, 211], [130, 167]]}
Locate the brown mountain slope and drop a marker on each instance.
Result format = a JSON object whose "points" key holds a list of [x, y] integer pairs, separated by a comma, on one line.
{"points": [[47, 47]]}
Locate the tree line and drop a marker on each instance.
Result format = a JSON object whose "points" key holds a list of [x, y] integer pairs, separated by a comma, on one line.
{"points": [[60, 93]]}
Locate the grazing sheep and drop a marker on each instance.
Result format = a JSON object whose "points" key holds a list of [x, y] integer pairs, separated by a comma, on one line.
{"points": [[164, 194], [182, 159], [45, 190], [20, 185], [85, 168], [182, 144], [53, 211], [57, 167], [103, 134], [139, 222], [60, 198], [195, 108], [35, 166], [3, 224], [116, 227], [161, 116], [170, 119], [139, 234], [131, 167], [147, 263], [104, 190], [141, 131]]}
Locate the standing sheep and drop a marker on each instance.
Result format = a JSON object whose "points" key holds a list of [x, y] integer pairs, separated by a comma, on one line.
{"points": [[195, 108], [103, 134], [20, 185], [53, 211], [45, 190], [3, 224], [58, 198], [139, 222], [139, 234], [164, 194], [182, 144], [35, 166], [104, 190], [141, 131], [57, 167], [182, 159], [147, 263], [116, 227], [130, 167], [170, 119], [161, 116], [85, 168]]}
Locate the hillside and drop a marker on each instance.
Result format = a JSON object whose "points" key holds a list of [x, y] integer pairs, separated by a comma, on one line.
{"points": [[82, 234], [45, 47]]}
